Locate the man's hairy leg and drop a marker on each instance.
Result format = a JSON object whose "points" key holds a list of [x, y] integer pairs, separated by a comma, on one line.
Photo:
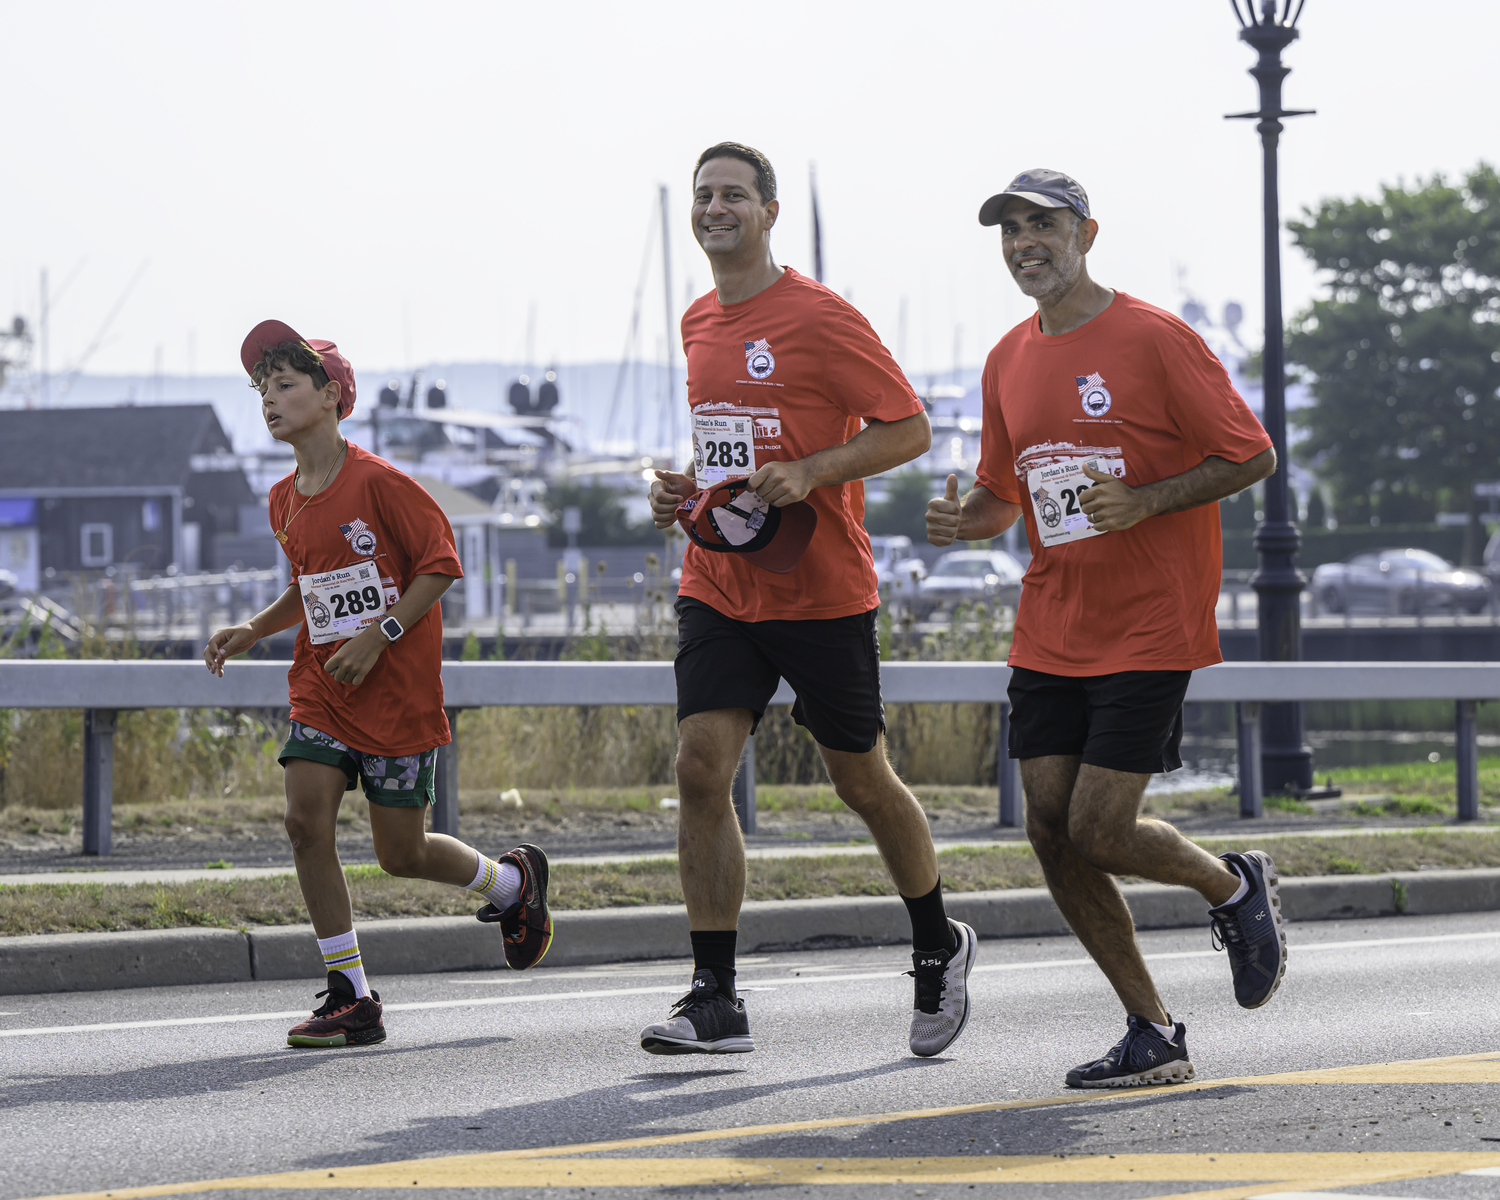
{"points": [[870, 787], [314, 792], [1106, 827], [1088, 897], [710, 848]]}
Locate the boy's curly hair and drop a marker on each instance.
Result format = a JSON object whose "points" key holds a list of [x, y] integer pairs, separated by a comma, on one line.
{"points": [[299, 356]]}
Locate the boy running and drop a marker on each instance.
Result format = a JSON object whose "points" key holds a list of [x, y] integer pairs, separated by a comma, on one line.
{"points": [[371, 555]]}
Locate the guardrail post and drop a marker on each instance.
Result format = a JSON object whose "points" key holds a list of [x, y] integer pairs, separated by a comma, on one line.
{"points": [[445, 806], [1008, 773], [99, 725], [1466, 758], [743, 788], [1247, 718]]}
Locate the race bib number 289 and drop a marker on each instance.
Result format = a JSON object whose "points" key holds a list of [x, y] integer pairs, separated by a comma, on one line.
{"points": [[1056, 490], [338, 604]]}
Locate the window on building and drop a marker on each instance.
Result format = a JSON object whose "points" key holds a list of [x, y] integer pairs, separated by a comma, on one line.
{"points": [[151, 515], [98, 544]]}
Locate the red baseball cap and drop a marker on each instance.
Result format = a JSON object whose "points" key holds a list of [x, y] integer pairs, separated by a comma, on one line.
{"points": [[335, 365], [730, 518]]}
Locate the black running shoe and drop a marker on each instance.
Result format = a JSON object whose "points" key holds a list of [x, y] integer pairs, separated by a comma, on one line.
{"points": [[526, 926], [1139, 1059], [705, 1021], [343, 1020], [1252, 930]]}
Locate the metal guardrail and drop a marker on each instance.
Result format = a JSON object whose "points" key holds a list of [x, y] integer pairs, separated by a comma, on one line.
{"points": [[102, 688]]}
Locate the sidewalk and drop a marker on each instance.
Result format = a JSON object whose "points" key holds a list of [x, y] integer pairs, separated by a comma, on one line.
{"points": [[799, 850], [72, 962]]}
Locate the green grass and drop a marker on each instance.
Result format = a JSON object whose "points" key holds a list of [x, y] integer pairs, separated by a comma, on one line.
{"points": [[86, 907]]}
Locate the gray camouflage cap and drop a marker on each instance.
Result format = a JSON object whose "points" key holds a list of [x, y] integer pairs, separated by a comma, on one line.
{"points": [[1050, 189]]}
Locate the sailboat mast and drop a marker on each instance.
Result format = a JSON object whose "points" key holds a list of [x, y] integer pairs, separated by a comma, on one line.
{"points": [[666, 291], [817, 224]]}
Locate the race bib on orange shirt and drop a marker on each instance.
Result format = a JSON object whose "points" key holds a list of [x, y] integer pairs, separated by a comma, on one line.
{"points": [[1056, 488], [723, 447], [338, 604]]}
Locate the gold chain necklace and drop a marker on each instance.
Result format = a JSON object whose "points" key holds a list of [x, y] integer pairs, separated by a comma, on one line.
{"points": [[338, 458]]}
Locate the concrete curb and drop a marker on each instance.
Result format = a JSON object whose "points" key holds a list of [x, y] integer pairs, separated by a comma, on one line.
{"points": [[72, 962]]}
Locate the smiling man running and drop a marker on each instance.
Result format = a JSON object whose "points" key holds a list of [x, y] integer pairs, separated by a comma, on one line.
{"points": [[781, 373], [1112, 428]]}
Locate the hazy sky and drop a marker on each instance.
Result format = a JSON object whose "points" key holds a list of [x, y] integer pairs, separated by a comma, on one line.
{"points": [[409, 179]]}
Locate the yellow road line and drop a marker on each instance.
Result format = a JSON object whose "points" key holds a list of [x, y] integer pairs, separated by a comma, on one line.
{"points": [[499, 1168], [1301, 1169]]}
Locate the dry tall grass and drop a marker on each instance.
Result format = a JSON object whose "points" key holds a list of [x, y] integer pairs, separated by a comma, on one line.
{"points": [[159, 753], [195, 754]]}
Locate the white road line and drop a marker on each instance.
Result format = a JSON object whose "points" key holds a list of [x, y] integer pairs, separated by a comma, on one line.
{"points": [[750, 984]]}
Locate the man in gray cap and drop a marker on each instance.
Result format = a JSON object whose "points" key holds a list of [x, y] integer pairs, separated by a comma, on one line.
{"points": [[1112, 430]]}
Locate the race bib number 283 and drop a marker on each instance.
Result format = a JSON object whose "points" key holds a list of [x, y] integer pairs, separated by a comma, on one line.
{"points": [[338, 604], [1056, 490], [723, 447]]}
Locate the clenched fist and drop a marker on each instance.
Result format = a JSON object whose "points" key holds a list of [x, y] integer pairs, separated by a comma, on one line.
{"points": [[668, 491]]}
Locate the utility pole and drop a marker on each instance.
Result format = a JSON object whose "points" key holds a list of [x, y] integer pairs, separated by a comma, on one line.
{"points": [[1286, 762], [44, 326], [666, 291]]}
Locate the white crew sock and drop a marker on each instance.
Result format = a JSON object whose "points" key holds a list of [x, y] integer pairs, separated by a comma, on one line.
{"points": [[342, 954], [499, 883], [1167, 1031], [1240, 892]]}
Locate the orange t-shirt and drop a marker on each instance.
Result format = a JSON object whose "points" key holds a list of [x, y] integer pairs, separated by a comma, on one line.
{"points": [[800, 367], [1139, 391], [371, 511]]}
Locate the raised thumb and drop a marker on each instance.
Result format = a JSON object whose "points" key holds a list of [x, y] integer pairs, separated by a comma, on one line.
{"points": [[952, 492]]}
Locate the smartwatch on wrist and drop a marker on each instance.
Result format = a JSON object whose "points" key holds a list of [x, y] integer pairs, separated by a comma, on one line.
{"points": [[391, 628]]}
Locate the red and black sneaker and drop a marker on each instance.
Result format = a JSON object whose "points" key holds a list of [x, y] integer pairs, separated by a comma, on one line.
{"points": [[526, 925], [344, 1019]]}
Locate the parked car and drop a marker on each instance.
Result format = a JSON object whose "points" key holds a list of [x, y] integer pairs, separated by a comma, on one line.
{"points": [[1398, 581], [967, 575], [897, 569]]}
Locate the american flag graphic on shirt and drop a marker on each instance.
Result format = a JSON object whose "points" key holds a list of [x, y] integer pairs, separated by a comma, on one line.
{"points": [[1087, 381], [354, 526]]}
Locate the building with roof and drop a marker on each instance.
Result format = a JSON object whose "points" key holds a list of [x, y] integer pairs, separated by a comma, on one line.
{"points": [[144, 489]]}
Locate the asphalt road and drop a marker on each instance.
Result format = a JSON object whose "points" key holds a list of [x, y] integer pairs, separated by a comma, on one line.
{"points": [[494, 1082]]}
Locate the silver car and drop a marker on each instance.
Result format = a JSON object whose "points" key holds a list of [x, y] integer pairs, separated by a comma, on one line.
{"points": [[968, 575], [1398, 581], [897, 570]]}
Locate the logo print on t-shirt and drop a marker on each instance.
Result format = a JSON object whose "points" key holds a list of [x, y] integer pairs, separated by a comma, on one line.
{"points": [[1095, 396], [1047, 508], [360, 536], [759, 360]]}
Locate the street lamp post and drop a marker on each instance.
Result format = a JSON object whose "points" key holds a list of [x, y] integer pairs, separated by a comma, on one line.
{"points": [[1286, 763]]}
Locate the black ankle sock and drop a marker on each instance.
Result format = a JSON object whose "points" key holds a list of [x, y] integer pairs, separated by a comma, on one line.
{"points": [[929, 922], [714, 949]]}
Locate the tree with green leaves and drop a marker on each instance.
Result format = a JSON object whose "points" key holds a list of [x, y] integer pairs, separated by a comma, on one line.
{"points": [[1403, 356], [602, 516], [903, 509]]}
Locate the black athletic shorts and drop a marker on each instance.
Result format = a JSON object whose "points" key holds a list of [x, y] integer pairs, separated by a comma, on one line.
{"points": [[1128, 721], [833, 665]]}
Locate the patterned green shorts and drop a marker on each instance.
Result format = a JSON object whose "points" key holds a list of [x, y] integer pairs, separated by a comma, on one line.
{"points": [[396, 781]]}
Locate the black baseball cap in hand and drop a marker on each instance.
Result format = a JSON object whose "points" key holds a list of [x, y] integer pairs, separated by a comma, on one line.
{"points": [[1050, 189]]}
